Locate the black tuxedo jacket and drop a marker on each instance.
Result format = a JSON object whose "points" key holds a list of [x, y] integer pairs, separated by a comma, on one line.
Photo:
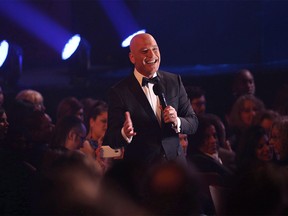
{"points": [[152, 140]]}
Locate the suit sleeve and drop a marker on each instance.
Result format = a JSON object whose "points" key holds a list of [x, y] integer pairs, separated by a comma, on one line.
{"points": [[116, 118], [189, 121]]}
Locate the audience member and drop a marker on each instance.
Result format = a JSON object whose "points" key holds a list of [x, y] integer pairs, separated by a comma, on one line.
{"points": [[255, 149], [97, 126], [221, 131], [69, 106], [241, 117], [202, 150], [261, 192], [33, 97], [16, 173], [87, 103], [172, 189], [243, 83], [29, 133], [19, 112], [69, 135], [279, 140], [197, 99], [265, 119], [67, 185], [98, 117], [225, 152], [40, 130]]}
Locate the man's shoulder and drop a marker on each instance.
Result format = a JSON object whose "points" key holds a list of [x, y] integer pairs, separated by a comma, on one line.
{"points": [[166, 73], [168, 77], [124, 82]]}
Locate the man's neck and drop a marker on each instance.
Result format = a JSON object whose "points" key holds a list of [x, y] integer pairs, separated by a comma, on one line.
{"points": [[145, 75]]}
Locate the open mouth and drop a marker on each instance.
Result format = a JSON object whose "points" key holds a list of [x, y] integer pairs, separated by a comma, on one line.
{"points": [[151, 61]]}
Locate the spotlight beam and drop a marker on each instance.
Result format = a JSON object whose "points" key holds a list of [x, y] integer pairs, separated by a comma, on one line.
{"points": [[36, 23], [121, 18]]}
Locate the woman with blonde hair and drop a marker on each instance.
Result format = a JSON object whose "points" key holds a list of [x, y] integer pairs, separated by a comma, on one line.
{"points": [[241, 117]]}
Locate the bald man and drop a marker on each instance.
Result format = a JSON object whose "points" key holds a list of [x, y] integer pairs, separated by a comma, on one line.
{"points": [[136, 119]]}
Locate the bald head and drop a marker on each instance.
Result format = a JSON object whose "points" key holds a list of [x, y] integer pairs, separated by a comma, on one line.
{"points": [[140, 38], [145, 54]]}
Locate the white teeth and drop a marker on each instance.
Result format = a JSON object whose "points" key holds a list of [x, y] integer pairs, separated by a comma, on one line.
{"points": [[151, 62]]}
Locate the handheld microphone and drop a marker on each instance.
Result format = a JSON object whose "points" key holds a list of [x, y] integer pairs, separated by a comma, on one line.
{"points": [[158, 90]]}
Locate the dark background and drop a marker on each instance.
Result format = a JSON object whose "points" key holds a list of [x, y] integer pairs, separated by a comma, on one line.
{"points": [[205, 41]]}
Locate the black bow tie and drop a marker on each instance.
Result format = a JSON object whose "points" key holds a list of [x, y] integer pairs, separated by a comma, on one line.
{"points": [[146, 80]]}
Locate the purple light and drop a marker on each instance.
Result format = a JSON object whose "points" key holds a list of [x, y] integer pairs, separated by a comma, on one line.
{"points": [[121, 18], [36, 23]]}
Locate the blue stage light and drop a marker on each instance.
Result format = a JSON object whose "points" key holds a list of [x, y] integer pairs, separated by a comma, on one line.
{"points": [[71, 46], [126, 42], [76, 55], [10, 62], [4, 47]]}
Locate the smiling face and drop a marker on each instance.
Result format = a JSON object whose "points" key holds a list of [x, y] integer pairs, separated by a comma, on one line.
{"points": [[145, 54]]}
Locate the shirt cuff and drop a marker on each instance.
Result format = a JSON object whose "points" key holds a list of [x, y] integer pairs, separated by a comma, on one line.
{"points": [[177, 127], [128, 140]]}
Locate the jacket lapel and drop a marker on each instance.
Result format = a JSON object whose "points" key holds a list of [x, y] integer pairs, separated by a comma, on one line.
{"points": [[141, 98]]}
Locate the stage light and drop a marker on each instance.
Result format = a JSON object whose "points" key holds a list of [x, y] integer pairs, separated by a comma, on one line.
{"points": [[126, 42], [71, 46], [76, 53], [4, 46], [10, 62]]}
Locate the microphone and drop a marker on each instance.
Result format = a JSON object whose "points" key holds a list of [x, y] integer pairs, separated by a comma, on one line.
{"points": [[158, 90]]}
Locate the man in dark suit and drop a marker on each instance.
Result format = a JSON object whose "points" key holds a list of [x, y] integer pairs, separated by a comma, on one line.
{"points": [[136, 120]]}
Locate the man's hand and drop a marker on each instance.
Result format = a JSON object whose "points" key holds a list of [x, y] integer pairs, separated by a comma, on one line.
{"points": [[128, 126], [170, 115]]}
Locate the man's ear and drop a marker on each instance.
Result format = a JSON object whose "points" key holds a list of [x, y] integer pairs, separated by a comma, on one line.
{"points": [[132, 59]]}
